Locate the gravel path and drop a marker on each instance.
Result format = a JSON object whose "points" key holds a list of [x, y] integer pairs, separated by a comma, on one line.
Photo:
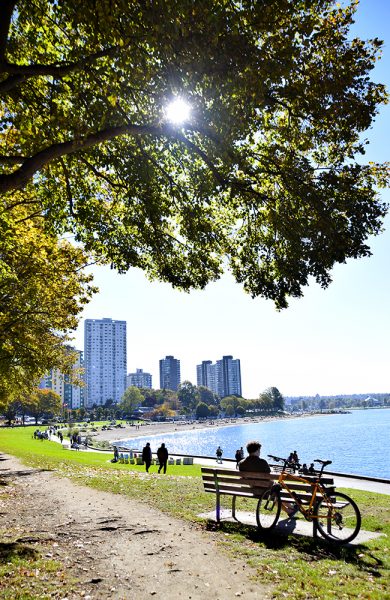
{"points": [[116, 547]]}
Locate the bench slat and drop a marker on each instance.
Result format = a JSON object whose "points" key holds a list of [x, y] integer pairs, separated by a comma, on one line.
{"points": [[239, 480], [242, 494], [238, 493], [249, 489]]}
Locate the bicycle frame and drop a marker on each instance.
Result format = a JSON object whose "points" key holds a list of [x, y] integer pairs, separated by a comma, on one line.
{"points": [[317, 489]]}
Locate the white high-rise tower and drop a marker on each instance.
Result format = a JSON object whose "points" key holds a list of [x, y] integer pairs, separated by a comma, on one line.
{"points": [[104, 361]]}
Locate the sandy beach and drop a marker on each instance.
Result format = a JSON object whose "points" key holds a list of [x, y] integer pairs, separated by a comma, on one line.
{"points": [[156, 428]]}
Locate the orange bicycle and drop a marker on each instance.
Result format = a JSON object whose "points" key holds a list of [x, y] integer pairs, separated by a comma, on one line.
{"points": [[335, 515]]}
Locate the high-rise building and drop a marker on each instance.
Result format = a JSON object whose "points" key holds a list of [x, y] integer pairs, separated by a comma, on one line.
{"points": [[139, 379], [169, 373], [229, 376], [54, 380], [204, 373], [72, 396], [222, 378], [104, 361]]}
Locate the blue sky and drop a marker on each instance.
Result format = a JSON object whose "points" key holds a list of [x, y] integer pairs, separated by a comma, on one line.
{"points": [[333, 341]]}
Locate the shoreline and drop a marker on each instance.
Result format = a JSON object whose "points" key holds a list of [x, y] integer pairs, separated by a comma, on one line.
{"points": [[160, 427]]}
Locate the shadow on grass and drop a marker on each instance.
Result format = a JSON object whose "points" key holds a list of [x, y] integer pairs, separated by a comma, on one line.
{"points": [[12, 550], [314, 549]]}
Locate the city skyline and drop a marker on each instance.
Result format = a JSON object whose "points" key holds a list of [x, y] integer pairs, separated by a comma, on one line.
{"points": [[329, 342]]}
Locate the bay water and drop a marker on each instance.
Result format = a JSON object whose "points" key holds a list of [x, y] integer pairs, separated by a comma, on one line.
{"points": [[357, 443]]}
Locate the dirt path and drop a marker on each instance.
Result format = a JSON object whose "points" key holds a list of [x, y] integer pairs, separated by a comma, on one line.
{"points": [[119, 549]]}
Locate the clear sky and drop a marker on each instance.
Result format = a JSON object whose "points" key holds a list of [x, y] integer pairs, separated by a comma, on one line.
{"points": [[333, 341]]}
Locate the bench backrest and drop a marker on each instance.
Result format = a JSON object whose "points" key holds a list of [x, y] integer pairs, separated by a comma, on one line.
{"points": [[251, 485], [226, 481]]}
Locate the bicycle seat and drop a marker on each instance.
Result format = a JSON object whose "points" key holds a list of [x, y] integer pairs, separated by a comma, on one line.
{"points": [[323, 462]]}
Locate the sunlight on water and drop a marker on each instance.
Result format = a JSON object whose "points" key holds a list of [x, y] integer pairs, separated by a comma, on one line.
{"points": [[357, 443]]}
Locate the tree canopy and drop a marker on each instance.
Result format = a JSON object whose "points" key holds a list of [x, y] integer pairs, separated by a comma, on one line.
{"points": [[266, 177], [271, 399], [44, 403], [131, 400], [43, 288]]}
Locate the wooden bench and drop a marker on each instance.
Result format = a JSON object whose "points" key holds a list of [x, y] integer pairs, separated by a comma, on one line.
{"points": [[229, 482]]}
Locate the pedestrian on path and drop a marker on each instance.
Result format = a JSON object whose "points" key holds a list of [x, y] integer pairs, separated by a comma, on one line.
{"points": [[116, 454], [162, 455], [147, 456], [219, 453]]}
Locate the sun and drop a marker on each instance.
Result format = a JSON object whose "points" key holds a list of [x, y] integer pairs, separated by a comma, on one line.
{"points": [[178, 111]]}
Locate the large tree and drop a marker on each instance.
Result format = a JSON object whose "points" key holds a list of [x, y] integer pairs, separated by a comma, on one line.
{"points": [[44, 403], [266, 176], [43, 289], [131, 400], [271, 399], [188, 394]]}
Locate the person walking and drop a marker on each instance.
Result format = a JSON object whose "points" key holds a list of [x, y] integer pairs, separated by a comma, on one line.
{"points": [[116, 454], [219, 453], [147, 456], [162, 455]]}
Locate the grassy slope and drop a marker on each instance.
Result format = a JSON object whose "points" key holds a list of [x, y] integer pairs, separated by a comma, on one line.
{"points": [[296, 567]]}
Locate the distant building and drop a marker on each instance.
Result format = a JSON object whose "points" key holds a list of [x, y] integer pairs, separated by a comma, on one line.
{"points": [[104, 361], [72, 396], [204, 373], [229, 376], [54, 380], [139, 379], [222, 378], [169, 373]]}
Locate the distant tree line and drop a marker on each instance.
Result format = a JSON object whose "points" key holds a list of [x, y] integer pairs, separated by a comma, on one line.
{"points": [[326, 403], [190, 401]]}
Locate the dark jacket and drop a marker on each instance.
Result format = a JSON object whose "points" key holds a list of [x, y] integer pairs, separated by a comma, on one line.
{"points": [[147, 454], [162, 454], [254, 464]]}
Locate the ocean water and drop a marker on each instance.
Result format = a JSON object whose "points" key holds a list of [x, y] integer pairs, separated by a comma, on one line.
{"points": [[356, 443]]}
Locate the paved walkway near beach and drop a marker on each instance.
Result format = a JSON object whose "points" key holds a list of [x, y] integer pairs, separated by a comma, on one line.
{"points": [[340, 481]]}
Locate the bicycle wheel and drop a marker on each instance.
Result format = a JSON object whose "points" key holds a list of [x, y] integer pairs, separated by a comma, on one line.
{"points": [[268, 510], [338, 519]]}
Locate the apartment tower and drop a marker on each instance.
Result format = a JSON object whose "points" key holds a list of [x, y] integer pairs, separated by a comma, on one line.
{"points": [[104, 361], [169, 373], [139, 379], [222, 378]]}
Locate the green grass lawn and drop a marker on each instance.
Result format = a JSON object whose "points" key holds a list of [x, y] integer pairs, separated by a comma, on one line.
{"points": [[296, 567]]}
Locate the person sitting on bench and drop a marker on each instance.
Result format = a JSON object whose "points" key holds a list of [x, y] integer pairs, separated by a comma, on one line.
{"points": [[253, 463]]}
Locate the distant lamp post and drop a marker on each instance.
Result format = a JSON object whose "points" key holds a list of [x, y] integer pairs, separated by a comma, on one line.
{"points": [[177, 111]]}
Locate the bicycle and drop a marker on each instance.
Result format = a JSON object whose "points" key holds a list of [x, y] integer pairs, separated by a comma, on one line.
{"points": [[334, 514]]}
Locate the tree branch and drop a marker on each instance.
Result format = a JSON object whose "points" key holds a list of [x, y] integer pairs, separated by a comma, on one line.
{"points": [[204, 157], [31, 165], [20, 177], [12, 160], [20, 73]]}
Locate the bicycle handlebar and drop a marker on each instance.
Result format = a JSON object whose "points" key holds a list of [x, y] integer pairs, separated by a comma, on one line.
{"points": [[277, 458], [324, 463]]}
